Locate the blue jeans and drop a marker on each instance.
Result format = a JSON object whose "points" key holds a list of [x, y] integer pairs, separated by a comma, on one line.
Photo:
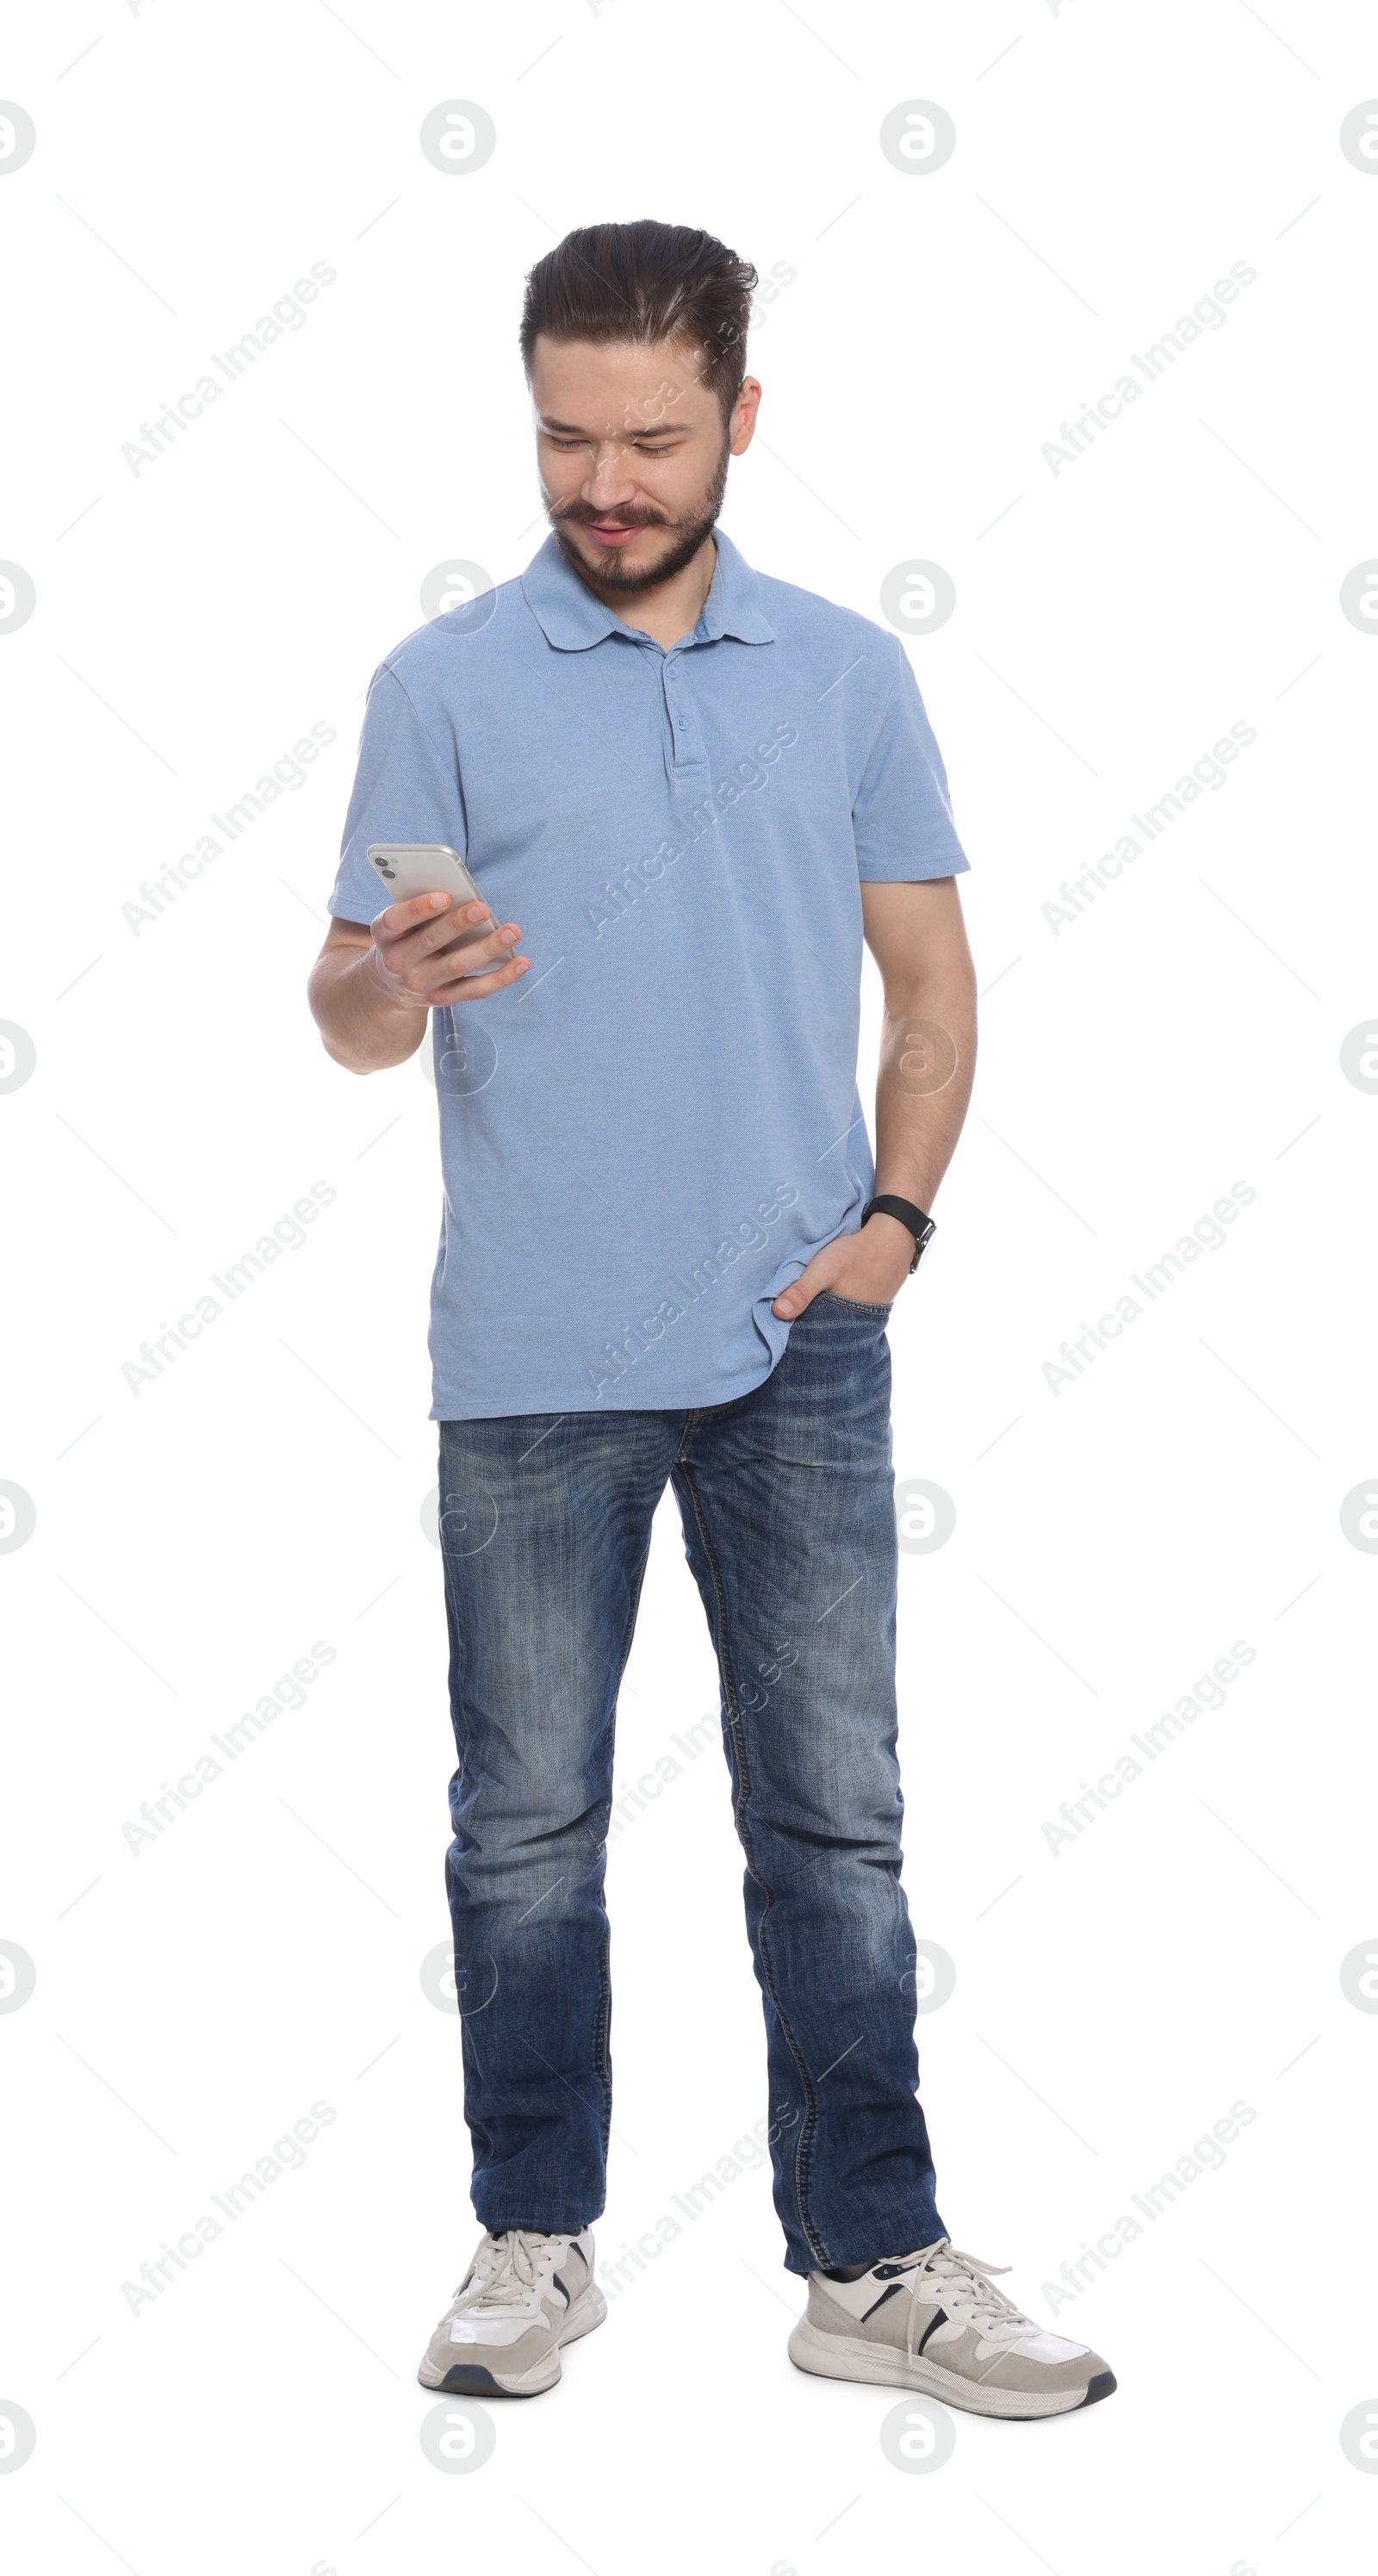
{"points": [[786, 1500]]}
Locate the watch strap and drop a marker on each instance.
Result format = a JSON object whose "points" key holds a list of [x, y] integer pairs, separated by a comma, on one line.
{"points": [[920, 1226]]}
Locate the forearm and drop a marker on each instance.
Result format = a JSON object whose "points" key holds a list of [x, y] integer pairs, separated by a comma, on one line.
{"points": [[923, 1085], [362, 1026]]}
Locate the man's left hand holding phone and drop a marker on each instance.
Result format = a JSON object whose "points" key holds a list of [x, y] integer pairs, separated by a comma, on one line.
{"points": [[435, 945]]}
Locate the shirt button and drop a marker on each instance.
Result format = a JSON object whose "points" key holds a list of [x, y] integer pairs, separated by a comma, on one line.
{"points": [[683, 724]]}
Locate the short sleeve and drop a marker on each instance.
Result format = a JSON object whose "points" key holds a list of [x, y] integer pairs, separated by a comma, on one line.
{"points": [[403, 791], [902, 815]]}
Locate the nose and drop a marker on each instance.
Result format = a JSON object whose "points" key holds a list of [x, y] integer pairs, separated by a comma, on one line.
{"points": [[610, 482]]}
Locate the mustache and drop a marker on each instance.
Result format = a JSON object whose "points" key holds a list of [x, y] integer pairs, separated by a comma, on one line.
{"points": [[583, 515]]}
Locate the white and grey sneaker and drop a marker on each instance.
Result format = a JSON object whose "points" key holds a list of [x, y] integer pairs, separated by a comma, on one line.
{"points": [[522, 2297], [932, 2320]]}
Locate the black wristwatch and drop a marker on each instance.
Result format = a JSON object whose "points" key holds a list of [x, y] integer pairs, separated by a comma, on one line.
{"points": [[920, 1226]]}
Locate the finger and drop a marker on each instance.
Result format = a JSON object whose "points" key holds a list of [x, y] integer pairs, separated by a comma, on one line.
{"points": [[793, 1300], [443, 937], [424, 974], [445, 926], [472, 988], [398, 918], [449, 928]]}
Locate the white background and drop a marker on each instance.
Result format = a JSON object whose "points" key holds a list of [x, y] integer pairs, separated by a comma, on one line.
{"points": [[1112, 1539]]}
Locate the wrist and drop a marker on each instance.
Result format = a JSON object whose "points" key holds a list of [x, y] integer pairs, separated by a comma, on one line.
{"points": [[889, 1209], [890, 1239]]}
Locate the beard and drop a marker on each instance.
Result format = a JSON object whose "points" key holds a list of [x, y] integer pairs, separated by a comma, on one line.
{"points": [[683, 538]]}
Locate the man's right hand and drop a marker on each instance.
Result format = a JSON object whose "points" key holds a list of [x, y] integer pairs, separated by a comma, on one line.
{"points": [[417, 948], [374, 983]]}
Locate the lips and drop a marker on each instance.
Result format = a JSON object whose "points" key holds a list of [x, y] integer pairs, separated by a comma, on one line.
{"points": [[611, 534]]}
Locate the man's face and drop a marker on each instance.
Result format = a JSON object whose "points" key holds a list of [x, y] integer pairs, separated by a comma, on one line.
{"points": [[632, 456]]}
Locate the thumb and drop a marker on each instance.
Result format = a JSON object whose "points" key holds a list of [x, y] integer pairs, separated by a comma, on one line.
{"points": [[793, 1300]]}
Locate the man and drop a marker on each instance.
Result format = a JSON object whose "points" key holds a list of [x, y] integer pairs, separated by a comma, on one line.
{"points": [[665, 1256]]}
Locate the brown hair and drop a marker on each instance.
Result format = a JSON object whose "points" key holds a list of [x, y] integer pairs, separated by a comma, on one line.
{"points": [[646, 283]]}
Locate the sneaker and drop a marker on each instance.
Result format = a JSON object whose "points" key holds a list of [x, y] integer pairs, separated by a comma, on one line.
{"points": [[931, 2320], [522, 2297]]}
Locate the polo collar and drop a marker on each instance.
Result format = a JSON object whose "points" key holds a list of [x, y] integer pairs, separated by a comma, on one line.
{"points": [[572, 619]]}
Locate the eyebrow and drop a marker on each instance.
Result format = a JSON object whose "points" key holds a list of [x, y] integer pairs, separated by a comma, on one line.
{"points": [[650, 429]]}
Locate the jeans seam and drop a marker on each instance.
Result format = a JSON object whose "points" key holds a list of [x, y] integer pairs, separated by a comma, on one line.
{"points": [[862, 1305], [604, 1969], [459, 1708], [739, 1802]]}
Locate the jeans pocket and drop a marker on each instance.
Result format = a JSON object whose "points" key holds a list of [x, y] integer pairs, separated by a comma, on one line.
{"points": [[854, 1303]]}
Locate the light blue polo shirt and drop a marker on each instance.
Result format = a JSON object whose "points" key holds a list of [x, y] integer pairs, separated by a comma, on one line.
{"points": [[652, 1132]]}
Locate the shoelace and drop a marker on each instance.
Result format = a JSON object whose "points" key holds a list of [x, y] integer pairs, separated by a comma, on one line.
{"points": [[963, 2288], [506, 2270]]}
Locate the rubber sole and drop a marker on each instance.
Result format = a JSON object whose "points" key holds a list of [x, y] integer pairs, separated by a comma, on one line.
{"points": [[832, 2356], [474, 2379]]}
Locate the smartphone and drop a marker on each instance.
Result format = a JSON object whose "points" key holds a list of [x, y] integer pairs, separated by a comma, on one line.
{"points": [[406, 868]]}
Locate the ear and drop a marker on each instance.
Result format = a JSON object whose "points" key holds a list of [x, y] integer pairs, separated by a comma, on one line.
{"points": [[744, 412]]}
